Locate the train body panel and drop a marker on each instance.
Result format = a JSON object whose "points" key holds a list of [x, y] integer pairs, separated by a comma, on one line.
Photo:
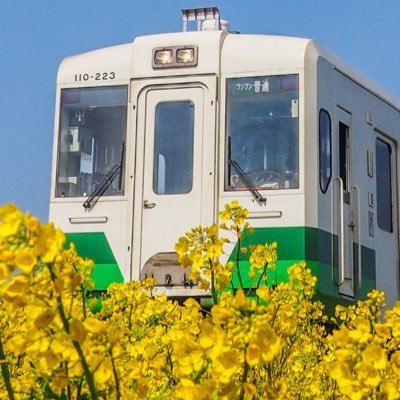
{"points": [[117, 68], [154, 137], [364, 213]]}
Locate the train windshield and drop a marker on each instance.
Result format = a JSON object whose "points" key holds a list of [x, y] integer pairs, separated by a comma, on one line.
{"points": [[262, 123], [91, 140]]}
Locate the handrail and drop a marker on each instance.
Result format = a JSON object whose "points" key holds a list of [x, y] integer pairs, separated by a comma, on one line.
{"points": [[356, 189], [341, 230]]}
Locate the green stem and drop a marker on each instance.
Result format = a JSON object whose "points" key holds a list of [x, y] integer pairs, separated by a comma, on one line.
{"points": [[86, 370], [5, 372], [170, 364], [246, 370], [259, 280], [116, 379], [237, 263], [130, 317], [85, 366], [213, 293], [83, 291], [69, 391]]}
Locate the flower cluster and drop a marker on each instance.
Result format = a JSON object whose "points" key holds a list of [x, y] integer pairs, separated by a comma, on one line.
{"points": [[200, 249], [270, 345], [364, 354]]}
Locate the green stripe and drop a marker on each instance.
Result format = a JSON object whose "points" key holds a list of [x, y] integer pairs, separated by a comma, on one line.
{"points": [[318, 248], [94, 245]]}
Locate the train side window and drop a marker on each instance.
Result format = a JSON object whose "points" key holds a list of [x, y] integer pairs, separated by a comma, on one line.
{"points": [[325, 150], [173, 147], [91, 140], [384, 185]]}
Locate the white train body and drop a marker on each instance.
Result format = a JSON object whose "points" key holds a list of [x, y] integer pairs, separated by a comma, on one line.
{"points": [[317, 140]]}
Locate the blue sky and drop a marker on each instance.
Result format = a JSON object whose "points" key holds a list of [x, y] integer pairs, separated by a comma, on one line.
{"points": [[35, 35]]}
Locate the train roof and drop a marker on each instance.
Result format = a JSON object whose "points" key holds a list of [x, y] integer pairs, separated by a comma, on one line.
{"points": [[219, 51]]}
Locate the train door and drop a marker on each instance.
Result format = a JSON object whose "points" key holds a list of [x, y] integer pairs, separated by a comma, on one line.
{"points": [[347, 213], [385, 231], [174, 182]]}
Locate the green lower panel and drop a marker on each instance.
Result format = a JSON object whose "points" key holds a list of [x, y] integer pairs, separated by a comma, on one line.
{"points": [[319, 249], [95, 246]]}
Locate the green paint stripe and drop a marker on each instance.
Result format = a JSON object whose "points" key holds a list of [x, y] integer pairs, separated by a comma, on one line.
{"points": [[318, 248], [94, 245], [291, 240], [303, 243]]}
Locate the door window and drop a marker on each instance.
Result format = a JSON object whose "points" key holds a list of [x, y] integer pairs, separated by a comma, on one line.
{"points": [[173, 147]]}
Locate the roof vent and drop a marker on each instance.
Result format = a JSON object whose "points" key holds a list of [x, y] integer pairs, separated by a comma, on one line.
{"points": [[210, 16]]}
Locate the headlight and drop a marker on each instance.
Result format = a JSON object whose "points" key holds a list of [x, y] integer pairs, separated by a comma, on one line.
{"points": [[163, 57], [185, 55], [175, 56]]}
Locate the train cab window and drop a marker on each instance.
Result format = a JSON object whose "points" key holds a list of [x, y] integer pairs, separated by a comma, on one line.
{"points": [[325, 150], [173, 164], [262, 130], [91, 141], [384, 185]]}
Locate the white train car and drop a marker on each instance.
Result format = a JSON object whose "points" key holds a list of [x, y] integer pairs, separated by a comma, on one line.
{"points": [[155, 136]]}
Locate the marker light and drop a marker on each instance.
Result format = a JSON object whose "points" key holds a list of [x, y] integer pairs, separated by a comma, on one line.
{"points": [[185, 55], [163, 57]]}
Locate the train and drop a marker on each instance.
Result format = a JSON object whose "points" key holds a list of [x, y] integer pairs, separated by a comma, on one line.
{"points": [[153, 137]]}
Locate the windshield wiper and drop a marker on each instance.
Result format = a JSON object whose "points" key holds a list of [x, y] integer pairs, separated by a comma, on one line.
{"points": [[106, 182], [260, 199]]}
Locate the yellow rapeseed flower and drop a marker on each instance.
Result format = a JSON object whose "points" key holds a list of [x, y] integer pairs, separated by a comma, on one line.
{"points": [[10, 220], [104, 371], [25, 260], [93, 325], [33, 224], [48, 362], [14, 290], [49, 242], [375, 355], [362, 330], [390, 389], [368, 375], [78, 331], [253, 354], [5, 271], [44, 319]]}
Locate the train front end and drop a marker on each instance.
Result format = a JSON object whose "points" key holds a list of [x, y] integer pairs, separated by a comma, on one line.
{"points": [[155, 137]]}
